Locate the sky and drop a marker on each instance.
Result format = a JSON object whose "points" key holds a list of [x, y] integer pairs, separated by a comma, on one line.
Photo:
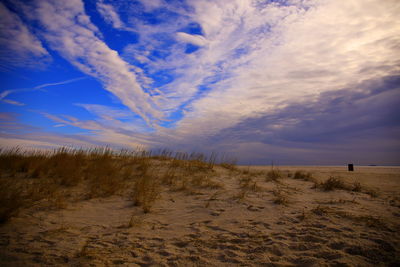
{"points": [[297, 82]]}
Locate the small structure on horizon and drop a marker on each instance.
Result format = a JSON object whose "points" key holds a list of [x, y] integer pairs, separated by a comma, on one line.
{"points": [[350, 167]]}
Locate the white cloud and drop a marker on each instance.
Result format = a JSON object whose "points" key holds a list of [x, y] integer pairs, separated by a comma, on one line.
{"points": [[68, 30], [108, 13], [13, 102], [282, 54], [18, 46], [58, 83], [191, 38], [152, 4], [6, 93], [108, 129]]}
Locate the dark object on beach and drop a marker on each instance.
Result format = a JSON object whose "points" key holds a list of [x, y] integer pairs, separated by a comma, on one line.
{"points": [[351, 167]]}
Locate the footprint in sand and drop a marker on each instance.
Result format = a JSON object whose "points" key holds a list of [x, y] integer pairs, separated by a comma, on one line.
{"points": [[181, 244], [253, 208]]}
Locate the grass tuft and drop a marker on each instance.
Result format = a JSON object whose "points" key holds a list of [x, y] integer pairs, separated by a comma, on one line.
{"points": [[146, 191], [273, 175], [280, 197], [333, 183], [11, 199], [305, 176]]}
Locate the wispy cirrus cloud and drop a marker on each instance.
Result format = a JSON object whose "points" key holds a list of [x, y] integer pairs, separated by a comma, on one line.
{"points": [[195, 39], [18, 45], [68, 30], [6, 93], [276, 55], [108, 13]]}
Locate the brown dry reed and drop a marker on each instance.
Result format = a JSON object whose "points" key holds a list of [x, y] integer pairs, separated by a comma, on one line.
{"points": [[305, 176], [337, 183], [27, 177], [280, 197], [273, 175]]}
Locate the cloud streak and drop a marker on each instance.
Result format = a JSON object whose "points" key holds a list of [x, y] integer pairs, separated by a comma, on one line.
{"points": [[68, 30], [18, 46], [6, 93]]}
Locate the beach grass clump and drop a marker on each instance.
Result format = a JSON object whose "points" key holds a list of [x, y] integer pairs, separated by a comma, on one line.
{"points": [[273, 175], [205, 181], [228, 163], [356, 187], [22, 193], [105, 175], [11, 199], [248, 183], [371, 192], [146, 191], [249, 172], [280, 197], [333, 183], [305, 176], [52, 175]]}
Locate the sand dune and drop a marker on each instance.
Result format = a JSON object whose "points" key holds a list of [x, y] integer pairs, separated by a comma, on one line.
{"points": [[250, 220]]}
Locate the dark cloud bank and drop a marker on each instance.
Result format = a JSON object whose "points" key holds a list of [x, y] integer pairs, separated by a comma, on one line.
{"points": [[359, 124]]}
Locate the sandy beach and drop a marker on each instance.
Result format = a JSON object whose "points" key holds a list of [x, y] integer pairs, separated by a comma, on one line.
{"points": [[126, 127], [245, 218]]}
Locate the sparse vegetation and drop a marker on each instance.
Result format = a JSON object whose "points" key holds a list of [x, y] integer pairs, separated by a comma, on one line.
{"points": [[273, 175], [306, 176], [29, 176], [333, 183], [247, 183], [11, 199], [356, 187], [145, 193], [371, 192], [280, 197]]}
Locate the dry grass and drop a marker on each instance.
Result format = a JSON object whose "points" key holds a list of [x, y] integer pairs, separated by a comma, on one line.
{"points": [[248, 184], [305, 176], [372, 192], [273, 175], [146, 191], [27, 177], [333, 183], [254, 173], [280, 197], [11, 199], [228, 163]]}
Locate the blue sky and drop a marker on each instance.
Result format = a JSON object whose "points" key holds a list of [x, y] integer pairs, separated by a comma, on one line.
{"points": [[297, 81]]}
